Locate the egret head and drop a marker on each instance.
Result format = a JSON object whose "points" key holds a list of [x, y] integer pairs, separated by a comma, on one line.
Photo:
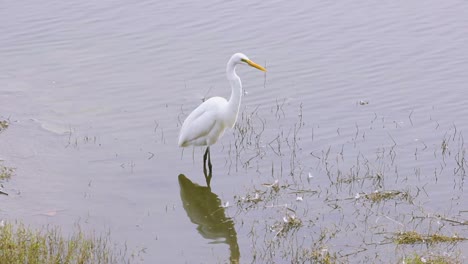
{"points": [[240, 58]]}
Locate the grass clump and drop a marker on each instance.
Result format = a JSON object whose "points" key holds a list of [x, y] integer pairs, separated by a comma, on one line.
{"points": [[377, 196], [413, 237], [319, 256], [19, 244], [418, 259], [410, 237], [3, 125], [437, 238], [6, 172], [290, 222]]}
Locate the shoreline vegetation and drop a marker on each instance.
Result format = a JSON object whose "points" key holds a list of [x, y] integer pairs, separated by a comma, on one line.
{"points": [[24, 244]]}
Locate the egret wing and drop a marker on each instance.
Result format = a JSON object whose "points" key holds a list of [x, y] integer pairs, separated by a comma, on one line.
{"points": [[196, 127]]}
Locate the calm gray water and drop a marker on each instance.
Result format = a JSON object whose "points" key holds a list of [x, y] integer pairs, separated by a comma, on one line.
{"points": [[96, 91]]}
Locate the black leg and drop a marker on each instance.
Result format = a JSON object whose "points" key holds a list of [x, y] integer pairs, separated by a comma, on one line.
{"points": [[204, 162], [210, 167], [208, 173]]}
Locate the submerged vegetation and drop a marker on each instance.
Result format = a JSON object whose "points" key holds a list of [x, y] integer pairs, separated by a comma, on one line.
{"points": [[337, 203], [20, 244], [309, 201]]}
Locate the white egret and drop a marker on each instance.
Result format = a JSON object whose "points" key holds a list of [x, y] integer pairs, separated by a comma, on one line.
{"points": [[206, 124]]}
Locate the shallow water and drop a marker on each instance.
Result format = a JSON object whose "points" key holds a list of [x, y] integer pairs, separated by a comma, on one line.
{"points": [[96, 92]]}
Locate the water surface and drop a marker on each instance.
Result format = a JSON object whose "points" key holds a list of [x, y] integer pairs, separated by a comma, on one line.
{"points": [[96, 92]]}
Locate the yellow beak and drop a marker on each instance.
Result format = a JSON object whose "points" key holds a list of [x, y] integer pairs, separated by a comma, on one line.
{"points": [[255, 65]]}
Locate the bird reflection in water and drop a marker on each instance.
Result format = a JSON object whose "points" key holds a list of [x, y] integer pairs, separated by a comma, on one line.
{"points": [[204, 209]]}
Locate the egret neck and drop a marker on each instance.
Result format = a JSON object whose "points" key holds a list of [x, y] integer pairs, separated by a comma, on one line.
{"points": [[236, 93]]}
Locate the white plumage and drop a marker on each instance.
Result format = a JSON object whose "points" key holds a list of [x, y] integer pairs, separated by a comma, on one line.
{"points": [[206, 124]]}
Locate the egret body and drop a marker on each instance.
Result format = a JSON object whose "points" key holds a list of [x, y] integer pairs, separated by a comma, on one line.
{"points": [[206, 124]]}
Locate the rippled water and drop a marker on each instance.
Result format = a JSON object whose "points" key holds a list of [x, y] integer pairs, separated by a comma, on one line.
{"points": [[96, 92]]}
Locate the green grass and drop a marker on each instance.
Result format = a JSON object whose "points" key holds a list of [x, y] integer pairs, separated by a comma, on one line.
{"points": [[20, 244]]}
